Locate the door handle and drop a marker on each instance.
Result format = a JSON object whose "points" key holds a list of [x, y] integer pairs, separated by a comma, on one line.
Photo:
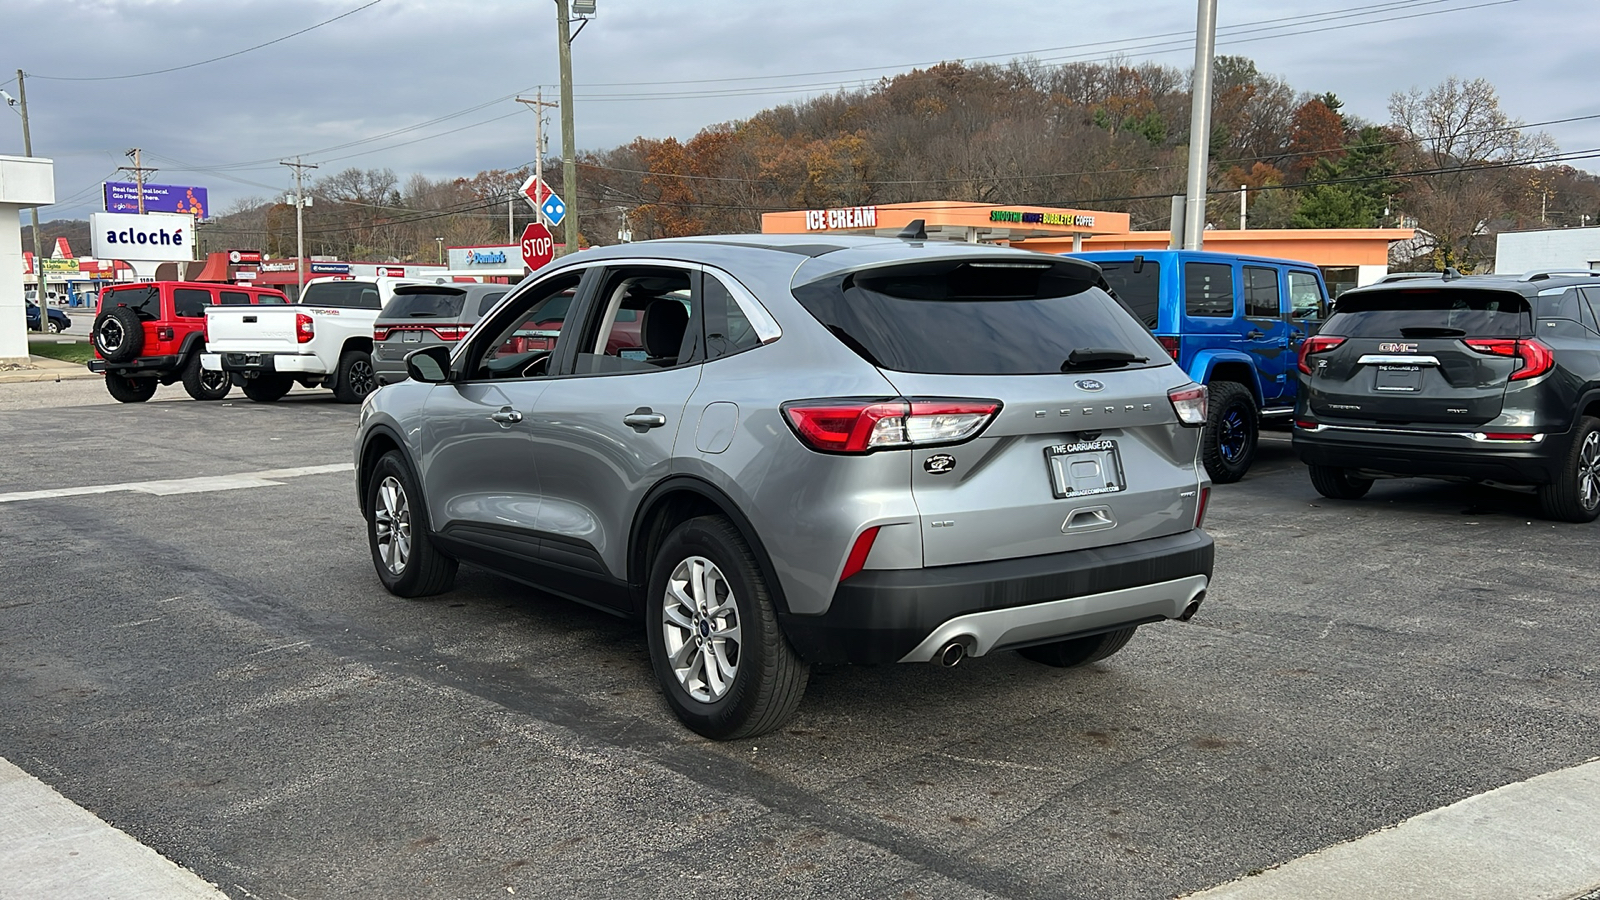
{"points": [[643, 419], [506, 416], [1255, 334]]}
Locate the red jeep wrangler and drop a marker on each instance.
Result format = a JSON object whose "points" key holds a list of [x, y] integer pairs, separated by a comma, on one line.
{"points": [[154, 332]]}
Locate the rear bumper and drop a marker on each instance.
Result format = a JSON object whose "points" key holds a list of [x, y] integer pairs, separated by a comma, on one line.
{"points": [[907, 615], [144, 365], [1432, 454], [270, 362]]}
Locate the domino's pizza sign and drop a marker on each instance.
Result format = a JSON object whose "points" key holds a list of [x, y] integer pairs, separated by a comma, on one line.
{"points": [[162, 238]]}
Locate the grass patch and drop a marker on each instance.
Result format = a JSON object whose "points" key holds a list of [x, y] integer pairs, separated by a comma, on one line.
{"points": [[75, 351]]}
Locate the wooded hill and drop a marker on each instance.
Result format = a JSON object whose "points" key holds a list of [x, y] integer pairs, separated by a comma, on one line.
{"points": [[1107, 136]]}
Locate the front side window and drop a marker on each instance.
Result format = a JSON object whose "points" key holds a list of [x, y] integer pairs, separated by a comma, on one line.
{"points": [[1208, 290], [190, 303], [646, 319], [521, 338], [1262, 299], [1305, 297]]}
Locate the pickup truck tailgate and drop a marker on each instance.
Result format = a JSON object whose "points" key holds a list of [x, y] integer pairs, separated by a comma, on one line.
{"points": [[254, 329]]}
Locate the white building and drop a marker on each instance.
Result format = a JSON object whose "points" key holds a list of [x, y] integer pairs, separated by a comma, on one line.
{"points": [[1556, 248]]}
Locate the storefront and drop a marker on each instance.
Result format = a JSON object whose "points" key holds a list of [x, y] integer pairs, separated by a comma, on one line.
{"points": [[283, 274]]}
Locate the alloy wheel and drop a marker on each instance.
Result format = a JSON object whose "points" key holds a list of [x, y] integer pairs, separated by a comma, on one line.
{"points": [[362, 379], [700, 621], [1589, 471], [213, 381], [391, 524], [1235, 435], [111, 336]]}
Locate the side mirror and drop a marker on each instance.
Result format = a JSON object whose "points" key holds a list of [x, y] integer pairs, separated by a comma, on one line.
{"points": [[429, 365]]}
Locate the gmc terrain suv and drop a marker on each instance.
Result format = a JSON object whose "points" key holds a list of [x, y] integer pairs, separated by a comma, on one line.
{"points": [[822, 449], [1491, 378]]}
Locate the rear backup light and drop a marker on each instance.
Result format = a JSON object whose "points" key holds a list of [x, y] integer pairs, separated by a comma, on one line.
{"points": [[1189, 402], [304, 328], [859, 552], [1533, 358], [1200, 508], [1320, 343], [862, 426], [1169, 344]]}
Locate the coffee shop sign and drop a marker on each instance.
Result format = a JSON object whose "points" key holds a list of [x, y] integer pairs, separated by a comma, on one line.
{"points": [[1073, 220]]}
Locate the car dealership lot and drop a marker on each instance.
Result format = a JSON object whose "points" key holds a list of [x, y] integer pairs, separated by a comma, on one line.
{"points": [[219, 673]]}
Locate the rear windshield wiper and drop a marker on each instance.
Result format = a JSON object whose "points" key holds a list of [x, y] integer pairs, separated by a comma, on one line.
{"points": [[1099, 358], [1431, 331]]}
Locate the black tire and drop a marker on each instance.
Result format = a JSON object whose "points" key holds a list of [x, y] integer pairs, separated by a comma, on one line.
{"points": [[1575, 494], [1339, 484], [1079, 651], [356, 378], [422, 570], [54, 327], [130, 390], [118, 335], [1228, 446], [768, 678], [268, 387], [204, 384]]}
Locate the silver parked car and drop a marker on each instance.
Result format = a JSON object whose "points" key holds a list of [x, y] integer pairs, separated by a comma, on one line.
{"points": [[821, 449], [425, 314]]}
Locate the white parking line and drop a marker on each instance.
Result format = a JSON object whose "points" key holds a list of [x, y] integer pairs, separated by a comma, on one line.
{"points": [[199, 485], [53, 849], [1533, 840]]}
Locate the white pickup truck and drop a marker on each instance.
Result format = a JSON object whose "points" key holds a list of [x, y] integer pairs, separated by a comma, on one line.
{"points": [[324, 340]]}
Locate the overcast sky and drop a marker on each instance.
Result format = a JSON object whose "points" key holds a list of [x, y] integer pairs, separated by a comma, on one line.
{"points": [[378, 83]]}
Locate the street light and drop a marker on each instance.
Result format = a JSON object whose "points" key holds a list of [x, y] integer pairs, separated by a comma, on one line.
{"points": [[440, 242]]}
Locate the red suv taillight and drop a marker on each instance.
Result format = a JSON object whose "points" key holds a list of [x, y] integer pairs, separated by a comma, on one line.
{"points": [[164, 332], [851, 425], [1320, 343], [304, 328], [1533, 358], [1169, 344], [1189, 402]]}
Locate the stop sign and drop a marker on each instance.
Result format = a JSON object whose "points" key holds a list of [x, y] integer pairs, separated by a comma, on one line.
{"points": [[538, 248]]}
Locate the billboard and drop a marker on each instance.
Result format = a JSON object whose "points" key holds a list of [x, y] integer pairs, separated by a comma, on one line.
{"points": [[159, 238], [123, 197]]}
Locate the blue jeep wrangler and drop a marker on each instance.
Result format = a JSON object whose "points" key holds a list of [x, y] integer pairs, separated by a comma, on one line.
{"points": [[1235, 324]]}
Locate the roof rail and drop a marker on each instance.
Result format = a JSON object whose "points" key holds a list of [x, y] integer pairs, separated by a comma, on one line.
{"points": [[1542, 274], [1405, 276]]}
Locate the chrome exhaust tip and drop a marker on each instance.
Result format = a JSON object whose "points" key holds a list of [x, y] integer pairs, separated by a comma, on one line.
{"points": [[1193, 607], [951, 654]]}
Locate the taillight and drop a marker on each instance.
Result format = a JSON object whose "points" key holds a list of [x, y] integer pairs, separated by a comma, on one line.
{"points": [[1319, 343], [1200, 508], [1189, 402], [304, 328], [1169, 344], [1533, 358], [859, 552], [164, 332], [449, 332], [380, 334], [862, 426]]}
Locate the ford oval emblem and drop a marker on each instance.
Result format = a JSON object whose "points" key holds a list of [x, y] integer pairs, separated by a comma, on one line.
{"points": [[1089, 384]]}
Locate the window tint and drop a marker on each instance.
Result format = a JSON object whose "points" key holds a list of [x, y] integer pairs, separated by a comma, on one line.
{"points": [[525, 333], [1305, 296], [1592, 298], [235, 298], [1140, 290], [728, 330], [1208, 289], [345, 294], [958, 319], [272, 297], [1474, 313], [190, 303], [1262, 299], [146, 301], [432, 304], [647, 320], [488, 302]]}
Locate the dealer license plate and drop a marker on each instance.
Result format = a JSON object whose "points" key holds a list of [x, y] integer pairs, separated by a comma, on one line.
{"points": [[1084, 468], [410, 337], [1399, 378]]}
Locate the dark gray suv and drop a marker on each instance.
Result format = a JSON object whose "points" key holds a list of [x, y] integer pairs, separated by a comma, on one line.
{"points": [[816, 449], [1491, 378], [421, 315]]}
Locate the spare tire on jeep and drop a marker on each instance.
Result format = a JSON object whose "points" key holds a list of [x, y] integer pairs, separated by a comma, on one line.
{"points": [[118, 334]]}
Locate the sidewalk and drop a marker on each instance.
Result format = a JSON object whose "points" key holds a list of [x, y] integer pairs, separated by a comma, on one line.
{"points": [[43, 368]]}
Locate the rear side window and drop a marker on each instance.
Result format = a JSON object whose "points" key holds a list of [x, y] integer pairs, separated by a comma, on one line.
{"points": [[235, 298], [970, 319], [1431, 312], [1592, 295], [1262, 298], [272, 297], [1138, 284], [488, 302], [426, 305], [346, 294], [146, 301], [1208, 289], [728, 330]]}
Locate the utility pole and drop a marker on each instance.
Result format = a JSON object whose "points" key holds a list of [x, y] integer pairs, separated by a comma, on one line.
{"points": [[538, 104], [33, 214], [569, 171], [1205, 41], [138, 171], [299, 221]]}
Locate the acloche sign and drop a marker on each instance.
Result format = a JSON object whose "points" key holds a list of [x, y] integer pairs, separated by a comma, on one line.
{"points": [[149, 237]]}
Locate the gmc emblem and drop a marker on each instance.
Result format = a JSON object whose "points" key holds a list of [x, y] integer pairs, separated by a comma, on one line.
{"points": [[1397, 348]]}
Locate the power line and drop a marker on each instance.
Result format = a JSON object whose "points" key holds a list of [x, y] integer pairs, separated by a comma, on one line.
{"points": [[203, 62]]}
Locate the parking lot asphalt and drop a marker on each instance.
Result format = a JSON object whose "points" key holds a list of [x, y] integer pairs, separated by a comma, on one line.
{"points": [[220, 675]]}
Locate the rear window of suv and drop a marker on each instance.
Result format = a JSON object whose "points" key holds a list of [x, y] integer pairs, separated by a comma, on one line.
{"points": [[976, 318], [1431, 312], [426, 305], [146, 301]]}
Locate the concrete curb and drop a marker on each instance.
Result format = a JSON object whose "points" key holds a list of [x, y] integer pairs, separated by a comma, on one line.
{"points": [[43, 368]]}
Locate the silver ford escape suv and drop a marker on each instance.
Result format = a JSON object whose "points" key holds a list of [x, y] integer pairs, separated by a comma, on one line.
{"points": [[816, 449]]}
